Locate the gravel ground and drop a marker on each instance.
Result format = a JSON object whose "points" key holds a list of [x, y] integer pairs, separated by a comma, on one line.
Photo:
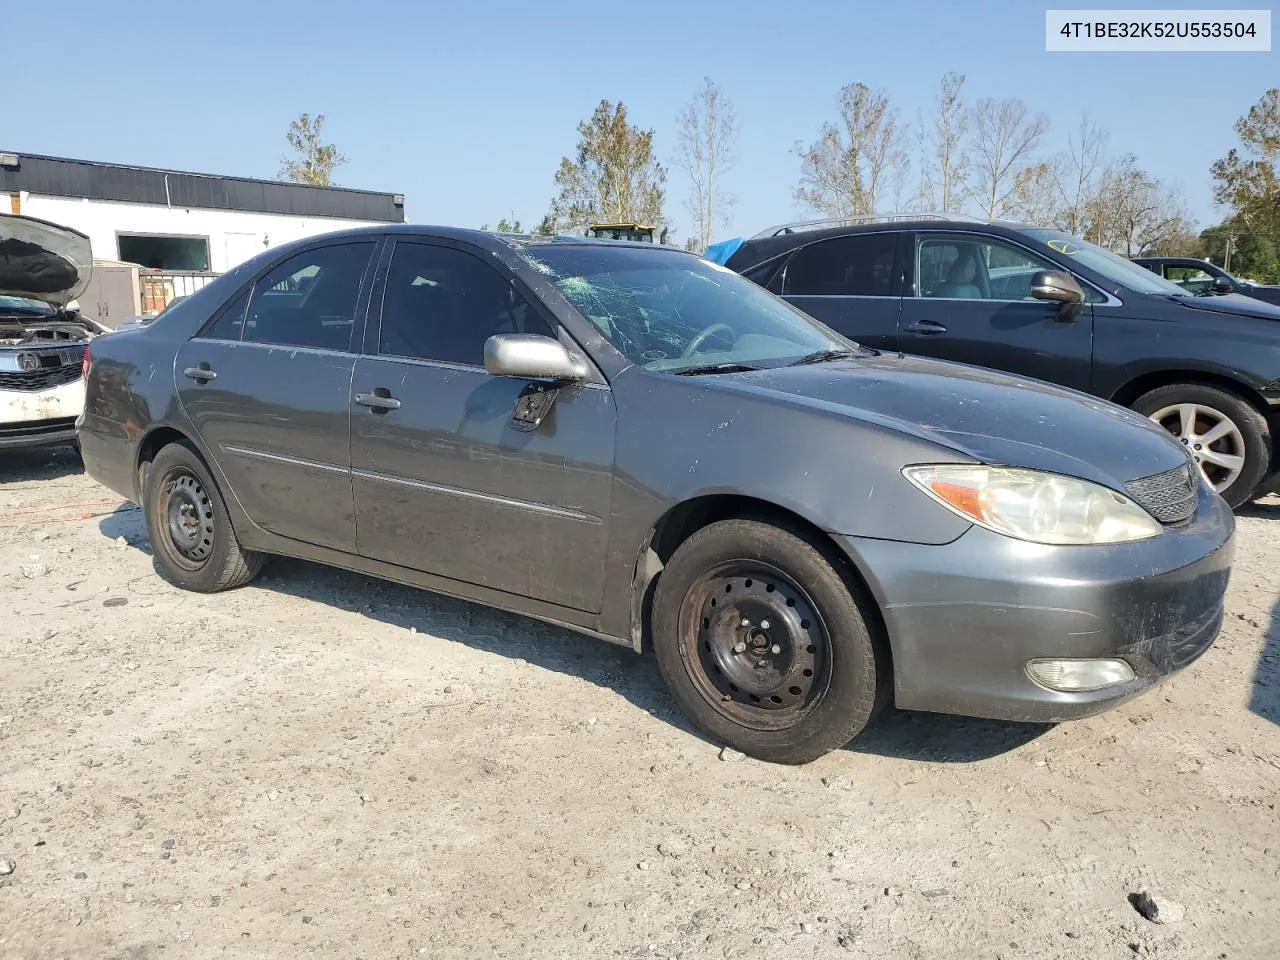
{"points": [[324, 764]]}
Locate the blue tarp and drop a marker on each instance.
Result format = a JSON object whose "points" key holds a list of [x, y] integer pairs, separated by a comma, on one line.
{"points": [[722, 251]]}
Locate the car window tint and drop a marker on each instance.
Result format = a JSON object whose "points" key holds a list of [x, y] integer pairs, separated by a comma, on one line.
{"points": [[954, 268], [861, 266], [310, 299], [443, 304], [228, 323]]}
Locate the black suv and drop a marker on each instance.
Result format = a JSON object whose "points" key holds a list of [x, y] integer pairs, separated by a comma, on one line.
{"points": [[1201, 276], [1048, 305]]}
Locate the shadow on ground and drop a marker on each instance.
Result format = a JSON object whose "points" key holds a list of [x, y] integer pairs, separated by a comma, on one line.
{"points": [[899, 734], [1264, 697], [39, 464]]}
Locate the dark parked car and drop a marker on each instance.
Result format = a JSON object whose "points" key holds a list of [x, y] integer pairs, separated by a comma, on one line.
{"points": [[1047, 305], [1202, 277], [638, 444]]}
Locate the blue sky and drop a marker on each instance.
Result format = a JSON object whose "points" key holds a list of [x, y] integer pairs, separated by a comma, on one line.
{"points": [[467, 108]]}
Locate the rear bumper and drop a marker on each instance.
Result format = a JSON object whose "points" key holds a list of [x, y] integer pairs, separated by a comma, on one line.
{"points": [[40, 417], [965, 618]]}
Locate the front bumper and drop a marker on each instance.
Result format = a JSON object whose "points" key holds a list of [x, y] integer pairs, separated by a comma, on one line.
{"points": [[40, 417], [964, 618]]}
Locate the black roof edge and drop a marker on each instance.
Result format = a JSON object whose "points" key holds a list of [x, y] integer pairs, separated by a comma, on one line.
{"points": [[128, 183]]}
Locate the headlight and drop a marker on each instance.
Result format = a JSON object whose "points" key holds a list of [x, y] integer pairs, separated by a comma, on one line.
{"points": [[1034, 506]]}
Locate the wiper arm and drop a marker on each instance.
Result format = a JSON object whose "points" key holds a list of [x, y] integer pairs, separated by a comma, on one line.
{"points": [[822, 356], [715, 368]]}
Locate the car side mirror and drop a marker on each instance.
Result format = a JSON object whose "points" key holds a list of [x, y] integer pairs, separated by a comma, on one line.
{"points": [[1058, 286], [528, 355], [1222, 285]]}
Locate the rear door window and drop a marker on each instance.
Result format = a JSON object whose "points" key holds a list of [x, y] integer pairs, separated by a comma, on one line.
{"points": [[856, 266], [310, 300]]}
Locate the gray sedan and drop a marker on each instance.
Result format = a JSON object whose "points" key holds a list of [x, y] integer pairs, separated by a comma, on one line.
{"points": [[638, 444]]}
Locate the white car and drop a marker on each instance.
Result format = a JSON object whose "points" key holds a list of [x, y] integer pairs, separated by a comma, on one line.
{"points": [[43, 268]]}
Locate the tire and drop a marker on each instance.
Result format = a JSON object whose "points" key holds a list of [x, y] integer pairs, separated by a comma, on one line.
{"points": [[195, 546], [1250, 436], [740, 593]]}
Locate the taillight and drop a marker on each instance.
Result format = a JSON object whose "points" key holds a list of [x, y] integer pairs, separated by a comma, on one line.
{"points": [[84, 368]]}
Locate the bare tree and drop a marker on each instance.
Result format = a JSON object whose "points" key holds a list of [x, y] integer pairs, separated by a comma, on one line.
{"points": [[1134, 212], [1034, 197], [1004, 136], [614, 176], [843, 173], [949, 128], [705, 140], [1080, 171], [315, 161]]}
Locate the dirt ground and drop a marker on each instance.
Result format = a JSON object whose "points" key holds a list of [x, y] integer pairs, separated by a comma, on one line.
{"points": [[324, 764]]}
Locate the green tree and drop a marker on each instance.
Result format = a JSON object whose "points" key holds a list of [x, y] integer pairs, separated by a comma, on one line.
{"points": [[1247, 180], [315, 161], [1252, 255], [506, 226], [613, 176]]}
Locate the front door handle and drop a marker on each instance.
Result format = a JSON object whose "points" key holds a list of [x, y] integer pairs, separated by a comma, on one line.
{"points": [[201, 374], [380, 401], [926, 328]]}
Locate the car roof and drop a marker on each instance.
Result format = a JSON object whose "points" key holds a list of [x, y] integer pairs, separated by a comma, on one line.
{"points": [[487, 239], [758, 250]]}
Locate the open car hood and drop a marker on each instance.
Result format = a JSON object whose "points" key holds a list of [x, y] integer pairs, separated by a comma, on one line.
{"points": [[43, 261]]}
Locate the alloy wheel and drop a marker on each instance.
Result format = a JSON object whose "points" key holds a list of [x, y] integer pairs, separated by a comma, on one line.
{"points": [[1213, 440]]}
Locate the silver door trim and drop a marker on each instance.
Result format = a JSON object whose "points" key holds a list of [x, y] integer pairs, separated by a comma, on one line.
{"points": [[252, 454], [528, 505]]}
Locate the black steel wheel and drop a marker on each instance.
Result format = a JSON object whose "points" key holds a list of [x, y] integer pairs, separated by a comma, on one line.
{"points": [[190, 513], [764, 644], [762, 647], [195, 545]]}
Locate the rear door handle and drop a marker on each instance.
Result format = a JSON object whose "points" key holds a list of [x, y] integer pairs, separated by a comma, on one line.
{"points": [[926, 328], [379, 401], [201, 373]]}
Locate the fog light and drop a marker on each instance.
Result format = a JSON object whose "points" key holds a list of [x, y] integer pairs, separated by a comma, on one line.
{"points": [[1079, 676]]}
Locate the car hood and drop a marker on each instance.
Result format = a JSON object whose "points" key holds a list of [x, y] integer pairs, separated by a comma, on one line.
{"points": [[1233, 304], [43, 261], [983, 415]]}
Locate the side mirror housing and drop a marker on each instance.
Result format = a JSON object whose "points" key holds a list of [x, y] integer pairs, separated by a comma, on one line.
{"points": [[1222, 285], [531, 356], [1057, 286]]}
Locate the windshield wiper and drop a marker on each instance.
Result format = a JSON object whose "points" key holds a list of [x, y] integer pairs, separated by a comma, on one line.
{"points": [[822, 356], [715, 368]]}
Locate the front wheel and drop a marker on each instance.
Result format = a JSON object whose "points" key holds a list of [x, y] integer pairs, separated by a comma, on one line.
{"points": [[763, 644], [1225, 435]]}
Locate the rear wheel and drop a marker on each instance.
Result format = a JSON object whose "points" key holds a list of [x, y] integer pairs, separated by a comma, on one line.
{"points": [[195, 546], [1225, 435], [763, 644]]}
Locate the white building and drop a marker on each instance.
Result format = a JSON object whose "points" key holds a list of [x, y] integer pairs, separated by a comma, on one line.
{"points": [[181, 229]]}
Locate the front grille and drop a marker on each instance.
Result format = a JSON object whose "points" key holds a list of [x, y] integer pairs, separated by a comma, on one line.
{"points": [[1170, 497], [40, 379]]}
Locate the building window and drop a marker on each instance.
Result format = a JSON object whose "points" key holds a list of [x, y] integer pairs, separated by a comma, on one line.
{"points": [[164, 253]]}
